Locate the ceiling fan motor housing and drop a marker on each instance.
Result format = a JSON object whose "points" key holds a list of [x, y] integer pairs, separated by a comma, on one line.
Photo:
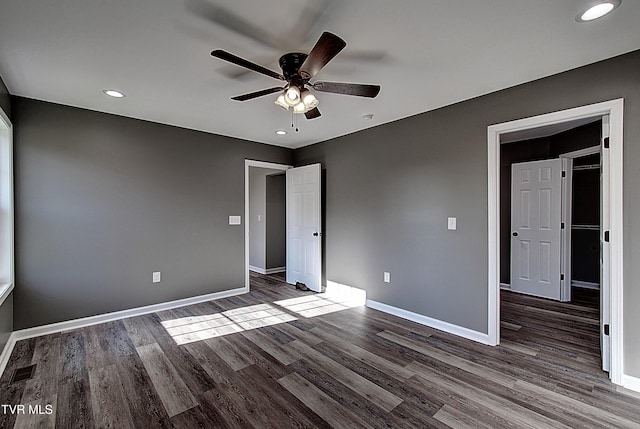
{"points": [[290, 64]]}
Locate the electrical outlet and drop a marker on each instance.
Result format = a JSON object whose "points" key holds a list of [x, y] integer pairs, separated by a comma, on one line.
{"points": [[451, 223], [156, 277], [387, 277]]}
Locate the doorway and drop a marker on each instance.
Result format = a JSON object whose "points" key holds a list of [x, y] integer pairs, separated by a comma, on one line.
{"points": [[267, 221], [303, 244], [612, 247], [536, 226], [256, 173]]}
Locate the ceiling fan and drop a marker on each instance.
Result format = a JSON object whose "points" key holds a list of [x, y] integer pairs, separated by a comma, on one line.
{"points": [[297, 71]]}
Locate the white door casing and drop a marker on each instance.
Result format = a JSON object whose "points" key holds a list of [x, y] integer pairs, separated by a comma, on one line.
{"points": [[535, 224], [304, 243]]}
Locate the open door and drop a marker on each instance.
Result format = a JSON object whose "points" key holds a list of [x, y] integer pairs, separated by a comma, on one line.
{"points": [[605, 268], [304, 243], [535, 224]]}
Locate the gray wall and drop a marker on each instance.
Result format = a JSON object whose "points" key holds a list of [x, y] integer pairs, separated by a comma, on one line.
{"points": [[102, 201], [390, 189], [276, 221], [6, 309]]}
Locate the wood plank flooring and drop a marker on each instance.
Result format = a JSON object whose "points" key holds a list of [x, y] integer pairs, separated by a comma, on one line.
{"points": [[254, 361]]}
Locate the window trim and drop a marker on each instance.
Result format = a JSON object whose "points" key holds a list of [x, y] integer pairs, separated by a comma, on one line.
{"points": [[7, 288]]}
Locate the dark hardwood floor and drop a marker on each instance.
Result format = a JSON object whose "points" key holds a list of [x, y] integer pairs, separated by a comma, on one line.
{"points": [[257, 360]]}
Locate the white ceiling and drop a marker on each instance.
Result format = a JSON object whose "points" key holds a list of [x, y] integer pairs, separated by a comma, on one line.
{"points": [[424, 54]]}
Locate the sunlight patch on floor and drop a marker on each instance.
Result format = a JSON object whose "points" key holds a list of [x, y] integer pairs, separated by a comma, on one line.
{"points": [[337, 297], [196, 328]]}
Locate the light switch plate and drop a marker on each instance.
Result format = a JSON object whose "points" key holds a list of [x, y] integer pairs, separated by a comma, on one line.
{"points": [[157, 277], [387, 277], [451, 223], [234, 220]]}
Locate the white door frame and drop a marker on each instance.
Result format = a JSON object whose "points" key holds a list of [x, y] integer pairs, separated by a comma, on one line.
{"points": [[614, 109], [567, 192], [247, 164]]}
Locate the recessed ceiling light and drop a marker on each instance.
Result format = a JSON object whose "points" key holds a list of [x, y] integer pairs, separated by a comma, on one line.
{"points": [[598, 10], [113, 93], [281, 132]]}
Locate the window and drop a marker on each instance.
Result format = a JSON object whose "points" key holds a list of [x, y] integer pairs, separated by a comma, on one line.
{"points": [[6, 207]]}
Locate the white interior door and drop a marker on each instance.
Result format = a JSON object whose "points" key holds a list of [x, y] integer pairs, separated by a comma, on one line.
{"points": [[535, 226], [304, 243], [605, 268]]}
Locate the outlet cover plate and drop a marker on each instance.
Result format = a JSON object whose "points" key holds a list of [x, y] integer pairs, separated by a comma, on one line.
{"points": [[157, 277]]}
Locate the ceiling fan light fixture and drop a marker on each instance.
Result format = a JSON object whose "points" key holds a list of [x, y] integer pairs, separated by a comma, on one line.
{"points": [[300, 108], [282, 102], [309, 100], [292, 96], [597, 10]]}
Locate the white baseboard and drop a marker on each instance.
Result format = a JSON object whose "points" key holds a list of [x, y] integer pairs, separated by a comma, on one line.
{"points": [[505, 286], [6, 353], [267, 270], [585, 285], [428, 321], [631, 383], [68, 325]]}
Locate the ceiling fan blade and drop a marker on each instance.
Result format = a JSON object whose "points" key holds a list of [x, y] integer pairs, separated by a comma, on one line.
{"points": [[224, 55], [358, 89], [327, 47], [233, 22], [313, 113], [252, 95]]}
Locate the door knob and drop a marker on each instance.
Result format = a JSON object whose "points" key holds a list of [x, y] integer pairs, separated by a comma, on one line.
{"points": [[515, 234], [315, 234]]}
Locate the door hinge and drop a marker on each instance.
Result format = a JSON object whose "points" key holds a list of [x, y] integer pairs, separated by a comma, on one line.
{"points": [[606, 329], [561, 276], [564, 174], [562, 225], [606, 236], [606, 142]]}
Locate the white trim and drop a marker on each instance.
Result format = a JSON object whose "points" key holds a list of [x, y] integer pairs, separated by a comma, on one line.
{"points": [[567, 215], [6, 352], [565, 233], [6, 291], [68, 325], [630, 382], [259, 164], [616, 248], [450, 328], [582, 152], [614, 109], [505, 286], [267, 270], [6, 288], [585, 285]]}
